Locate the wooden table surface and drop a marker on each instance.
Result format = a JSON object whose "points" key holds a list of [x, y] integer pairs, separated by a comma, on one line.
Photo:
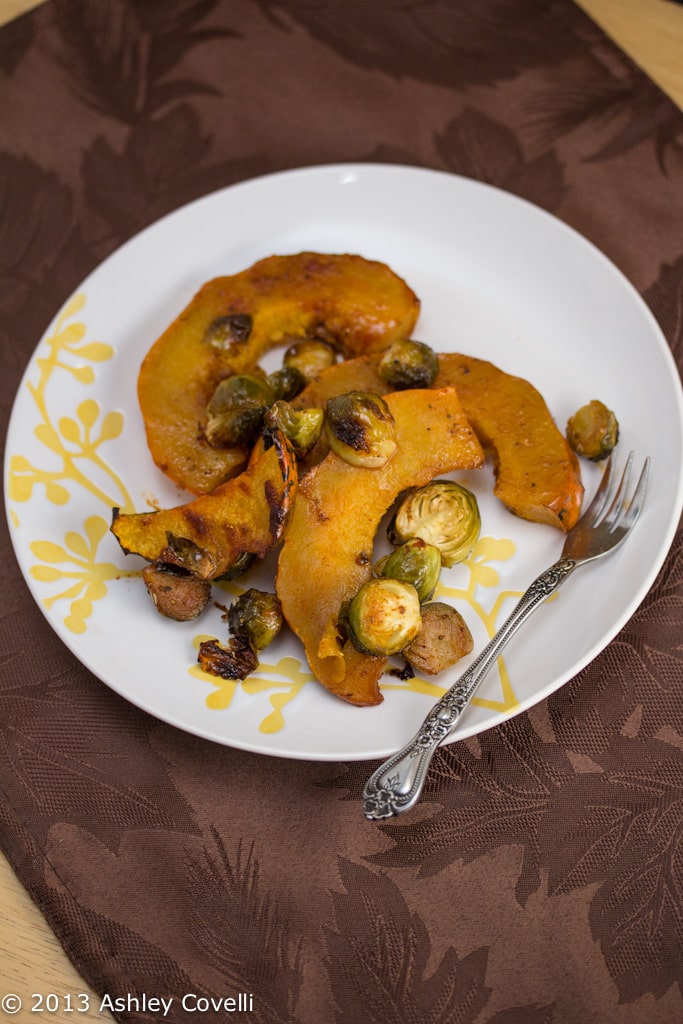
{"points": [[31, 958]]}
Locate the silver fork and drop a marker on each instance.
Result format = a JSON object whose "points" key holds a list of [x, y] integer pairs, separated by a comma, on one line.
{"points": [[397, 784]]}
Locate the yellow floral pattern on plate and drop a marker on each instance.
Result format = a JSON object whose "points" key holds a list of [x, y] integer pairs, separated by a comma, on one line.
{"points": [[73, 458]]}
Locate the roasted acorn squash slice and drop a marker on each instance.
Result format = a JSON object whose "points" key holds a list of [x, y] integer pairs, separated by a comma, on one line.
{"points": [[359, 305], [328, 547], [537, 474], [206, 536]]}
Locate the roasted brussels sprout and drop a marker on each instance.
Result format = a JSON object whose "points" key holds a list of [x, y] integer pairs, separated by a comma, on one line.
{"points": [[239, 566], [593, 431], [414, 562], [236, 410], [226, 331], [235, 660], [310, 357], [384, 616], [256, 615], [360, 428], [442, 513], [302, 427], [444, 639], [409, 364], [286, 383], [176, 592]]}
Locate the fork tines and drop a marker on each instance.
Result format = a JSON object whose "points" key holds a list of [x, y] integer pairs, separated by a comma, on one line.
{"points": [[610, 506]]}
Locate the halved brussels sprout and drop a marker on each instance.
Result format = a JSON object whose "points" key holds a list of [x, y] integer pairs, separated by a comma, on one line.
{"points": [[384, 616], [236, 410], [286, 383], [444, 639], [593, 431], [302, 427], [310, 357], [360, 428], [414, 562], [409, 364], [442, 513], [256, 615]]}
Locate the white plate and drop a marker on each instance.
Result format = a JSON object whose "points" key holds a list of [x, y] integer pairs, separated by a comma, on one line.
{"points": [[499, 279]]}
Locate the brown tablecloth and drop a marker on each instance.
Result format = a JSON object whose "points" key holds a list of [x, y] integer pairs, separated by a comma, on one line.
{"points": [[541, 882]]}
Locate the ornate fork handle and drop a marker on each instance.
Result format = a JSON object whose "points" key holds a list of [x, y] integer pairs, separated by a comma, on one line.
{"points": [[397, 784]]}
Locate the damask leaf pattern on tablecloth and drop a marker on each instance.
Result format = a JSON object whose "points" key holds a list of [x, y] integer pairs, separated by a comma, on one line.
{"points": [[41, 247], [243, 933], [137, 968], [130, 186], [119, 794], [628, 841], [121, 60], [445, 39], [611, 101], [479, 147], [383, 950], [120, 54], [504, 789]]}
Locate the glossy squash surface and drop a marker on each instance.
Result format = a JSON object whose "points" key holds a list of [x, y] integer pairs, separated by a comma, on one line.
{"points": [[537, 474], [327, 552], [359, 305]]}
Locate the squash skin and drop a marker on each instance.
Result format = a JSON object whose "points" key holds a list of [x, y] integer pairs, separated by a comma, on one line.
{"points": [[359, 304], [537, 474], [248, 513], [332, 530]]}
